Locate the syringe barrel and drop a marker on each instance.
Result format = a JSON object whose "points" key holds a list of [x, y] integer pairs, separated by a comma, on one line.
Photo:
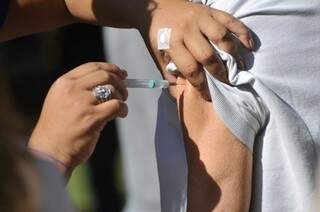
{"points": [[146, 83]]}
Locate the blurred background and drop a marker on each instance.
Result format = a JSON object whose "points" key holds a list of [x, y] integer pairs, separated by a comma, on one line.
{"points": [[122, 174]]}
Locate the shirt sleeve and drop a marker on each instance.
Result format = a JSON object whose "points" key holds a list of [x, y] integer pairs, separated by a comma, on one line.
{"points": [[4, 6]]}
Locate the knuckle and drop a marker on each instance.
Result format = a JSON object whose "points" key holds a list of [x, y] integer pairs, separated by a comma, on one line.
{"points": [[192, 72], [181, 26], [189, 17], [94, 65], [222, 35], [195, 76], [89, 118], [108, 77], [64, 83], [105, 75], [231, 21], [191, 14], [112, 66]]}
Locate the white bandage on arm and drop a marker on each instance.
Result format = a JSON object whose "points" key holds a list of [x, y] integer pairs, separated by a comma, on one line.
{"points": [[164, 36]]}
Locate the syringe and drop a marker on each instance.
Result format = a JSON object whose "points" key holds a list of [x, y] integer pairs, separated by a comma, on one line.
{"points": [[146, 83]]}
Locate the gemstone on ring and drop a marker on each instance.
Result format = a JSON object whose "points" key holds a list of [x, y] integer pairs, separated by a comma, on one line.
{"points": [[102, 93]]}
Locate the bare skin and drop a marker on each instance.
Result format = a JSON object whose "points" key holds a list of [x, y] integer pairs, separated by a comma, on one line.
{"points": [[219, 166]]}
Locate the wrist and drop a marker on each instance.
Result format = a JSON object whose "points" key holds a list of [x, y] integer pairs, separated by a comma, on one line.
{"points": [[145, 18], [112, 13], [115, 13]]}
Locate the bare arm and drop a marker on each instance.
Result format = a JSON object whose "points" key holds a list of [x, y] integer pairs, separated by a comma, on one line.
{"points": [[31, 16], [219, 165]]}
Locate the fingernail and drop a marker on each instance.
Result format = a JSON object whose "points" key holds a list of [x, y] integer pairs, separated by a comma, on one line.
{"points": [[124, 72], [251, 43], [123, 110], [242, 65]]}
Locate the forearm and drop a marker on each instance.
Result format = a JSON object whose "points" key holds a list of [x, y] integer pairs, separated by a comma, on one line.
{"points": [[219, 165], [115, 13], [32, 16]]}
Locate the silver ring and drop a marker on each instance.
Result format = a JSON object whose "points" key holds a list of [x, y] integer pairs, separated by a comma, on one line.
{"points": [[102, 93]]}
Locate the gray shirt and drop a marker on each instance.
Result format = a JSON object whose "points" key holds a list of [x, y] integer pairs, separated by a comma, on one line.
{"points": [[52, 189]]}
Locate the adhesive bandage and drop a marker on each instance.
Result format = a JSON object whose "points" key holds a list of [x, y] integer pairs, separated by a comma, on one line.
{"points": [[164, 36]]}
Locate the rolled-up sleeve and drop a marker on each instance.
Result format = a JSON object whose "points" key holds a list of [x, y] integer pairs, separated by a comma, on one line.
{"points": [[4, 6]]}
